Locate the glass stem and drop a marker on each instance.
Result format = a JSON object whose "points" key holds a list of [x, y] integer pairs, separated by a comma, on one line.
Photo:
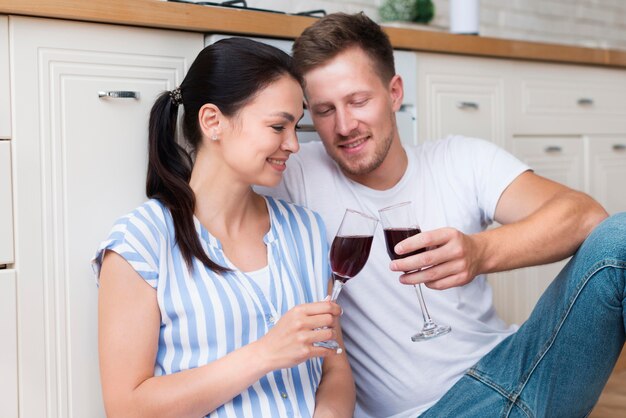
{"points": [[428, 322], [337, 286]]}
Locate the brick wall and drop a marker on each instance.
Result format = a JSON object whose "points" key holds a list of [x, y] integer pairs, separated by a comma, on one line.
{"points": [[594, 23]]}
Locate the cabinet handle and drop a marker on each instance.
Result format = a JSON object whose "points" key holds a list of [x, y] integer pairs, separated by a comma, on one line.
{"points": [[119, 94], [585, 101], [619, 147], [467, 105], [553, 149]]}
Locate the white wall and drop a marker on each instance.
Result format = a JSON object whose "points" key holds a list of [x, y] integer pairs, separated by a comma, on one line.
{"points": [[594, 23]]}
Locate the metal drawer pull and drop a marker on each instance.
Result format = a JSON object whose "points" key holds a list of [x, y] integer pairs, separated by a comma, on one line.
{"points": [[619, 147], [467, 105], [553, 149], [119, 94], [585, 101], [306, 128]]}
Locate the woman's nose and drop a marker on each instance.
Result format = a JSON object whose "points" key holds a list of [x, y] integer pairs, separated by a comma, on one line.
{"points": [[291, 143]]}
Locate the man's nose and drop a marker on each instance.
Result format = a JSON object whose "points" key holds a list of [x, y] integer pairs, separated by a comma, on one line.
{"points": [[345, 122]]}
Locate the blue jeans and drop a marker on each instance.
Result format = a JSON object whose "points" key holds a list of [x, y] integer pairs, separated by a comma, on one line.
{"points": [[559, 360]]}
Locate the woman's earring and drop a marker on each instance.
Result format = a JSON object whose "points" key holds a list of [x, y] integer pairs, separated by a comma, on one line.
{"points": [[214, 137]]}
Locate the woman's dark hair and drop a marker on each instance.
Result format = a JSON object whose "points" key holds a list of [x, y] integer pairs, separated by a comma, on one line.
{"points": [[228, 74]]}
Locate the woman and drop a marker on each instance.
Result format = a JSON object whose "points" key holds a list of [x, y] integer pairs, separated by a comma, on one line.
{"points": [[207, 291]]}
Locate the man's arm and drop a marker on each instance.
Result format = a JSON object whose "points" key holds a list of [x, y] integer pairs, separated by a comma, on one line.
{"points": [[543, 221]]}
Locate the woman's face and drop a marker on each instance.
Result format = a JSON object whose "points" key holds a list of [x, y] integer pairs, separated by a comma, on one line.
{"points": [[260, 138]]}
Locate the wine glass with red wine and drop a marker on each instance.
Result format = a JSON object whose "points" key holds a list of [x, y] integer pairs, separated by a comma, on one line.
{"points": [[399, 223], [348, 253]]}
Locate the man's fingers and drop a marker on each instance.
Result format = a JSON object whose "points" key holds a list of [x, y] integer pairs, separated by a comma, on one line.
{"points": [[434, 238]]}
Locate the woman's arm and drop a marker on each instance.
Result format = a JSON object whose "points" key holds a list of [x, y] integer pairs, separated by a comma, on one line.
{"points": [[128, 332], [336, 394]]}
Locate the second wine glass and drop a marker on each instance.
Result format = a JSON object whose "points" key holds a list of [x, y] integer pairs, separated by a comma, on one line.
{"points": [[348, 253], [399, 223]]}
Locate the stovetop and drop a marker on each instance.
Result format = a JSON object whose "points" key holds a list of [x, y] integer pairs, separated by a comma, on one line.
{"points": [[242, 4]]}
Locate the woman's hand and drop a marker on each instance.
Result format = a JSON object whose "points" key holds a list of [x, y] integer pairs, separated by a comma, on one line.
{"points": [[290, 341]]}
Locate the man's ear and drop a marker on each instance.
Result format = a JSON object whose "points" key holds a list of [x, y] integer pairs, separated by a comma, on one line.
{"points": [[211, 120], [396, 90]]}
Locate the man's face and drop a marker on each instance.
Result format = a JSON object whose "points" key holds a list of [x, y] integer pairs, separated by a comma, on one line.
{"points": [[353, 111]]}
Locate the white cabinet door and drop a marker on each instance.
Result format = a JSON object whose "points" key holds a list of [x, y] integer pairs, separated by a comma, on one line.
{"points": [[607, 171], [5, 96], [567, 99], [8, 348], [560, 159], [80, 164], [460, 95], [6, 204]]}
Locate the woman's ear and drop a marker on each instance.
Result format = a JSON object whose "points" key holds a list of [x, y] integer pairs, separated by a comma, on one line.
{"points": [[211, 120]]}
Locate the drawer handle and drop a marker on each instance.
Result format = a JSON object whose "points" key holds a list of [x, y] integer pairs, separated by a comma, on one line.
{"points": [[119, 94], [553, 149], [467, 105], [619, 147], [585, 101]]}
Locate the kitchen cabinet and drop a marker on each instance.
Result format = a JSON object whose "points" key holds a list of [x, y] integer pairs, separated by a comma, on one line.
{"points": [[5, 96], [83, 95], [607, 170], [8, 348], [566, 99], [561, 159], [461, 95], [568, 122], [6, 205]]}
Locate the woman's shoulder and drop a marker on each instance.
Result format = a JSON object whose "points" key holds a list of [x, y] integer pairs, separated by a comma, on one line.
{"points": [[295, 214], [286, 206], [151, 215]]}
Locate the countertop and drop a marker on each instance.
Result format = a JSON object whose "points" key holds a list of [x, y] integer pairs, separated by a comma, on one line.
{"points": [[196, 18]]}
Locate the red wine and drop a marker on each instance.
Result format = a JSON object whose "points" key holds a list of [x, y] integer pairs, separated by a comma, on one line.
{"points": [[395, 235], [348, 255]]}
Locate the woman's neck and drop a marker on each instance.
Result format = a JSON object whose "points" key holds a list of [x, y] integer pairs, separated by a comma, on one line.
{"points": [[224, 205]]}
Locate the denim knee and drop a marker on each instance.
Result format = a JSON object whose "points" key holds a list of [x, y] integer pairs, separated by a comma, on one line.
{"points": [[608, 239]]}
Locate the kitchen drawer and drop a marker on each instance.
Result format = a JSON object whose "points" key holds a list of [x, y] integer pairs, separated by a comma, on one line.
{"points": [[8, 348], [6, 204], [460, 95], [569, 99], [558, 158], [5, 96]]}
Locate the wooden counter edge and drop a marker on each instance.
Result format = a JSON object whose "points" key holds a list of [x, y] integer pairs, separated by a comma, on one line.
{"points": [[196, 18]]}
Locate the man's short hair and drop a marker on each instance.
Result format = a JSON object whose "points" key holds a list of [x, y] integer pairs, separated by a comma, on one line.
{"points": [[339, 32]]}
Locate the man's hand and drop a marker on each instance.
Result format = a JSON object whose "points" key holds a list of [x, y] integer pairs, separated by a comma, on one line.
{"points": [[451, 259]]}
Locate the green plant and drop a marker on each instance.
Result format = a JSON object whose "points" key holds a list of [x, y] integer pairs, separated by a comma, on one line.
{"points": [[424, 11], [421, 11]]}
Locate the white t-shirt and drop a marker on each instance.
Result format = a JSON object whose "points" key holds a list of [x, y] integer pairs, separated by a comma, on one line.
{"points": [[453, 182]]}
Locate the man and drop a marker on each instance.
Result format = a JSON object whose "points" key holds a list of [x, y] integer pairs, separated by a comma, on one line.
{"points": [[557, 363]]}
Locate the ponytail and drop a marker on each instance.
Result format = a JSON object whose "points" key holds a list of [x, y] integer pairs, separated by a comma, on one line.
{"points": [[169, 172]]}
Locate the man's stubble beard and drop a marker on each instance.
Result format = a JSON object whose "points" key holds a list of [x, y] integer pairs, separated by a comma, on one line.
{"points": [[364, 167]]}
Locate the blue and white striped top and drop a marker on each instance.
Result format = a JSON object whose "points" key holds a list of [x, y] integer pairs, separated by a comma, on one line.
{"points": [[205, 315]]}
